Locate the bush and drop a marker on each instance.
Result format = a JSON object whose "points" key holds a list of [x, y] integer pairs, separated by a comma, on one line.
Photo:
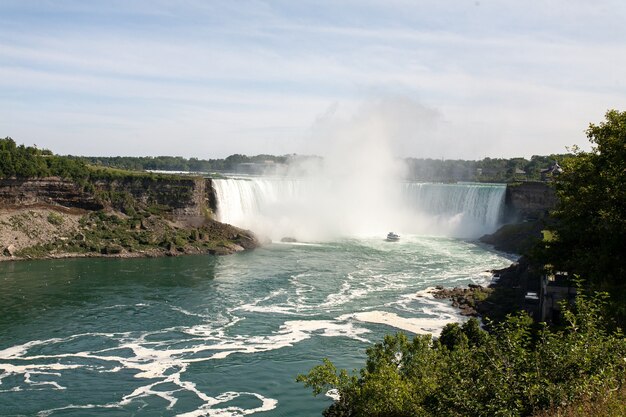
{"points": [[55, 218], [515, 370]]}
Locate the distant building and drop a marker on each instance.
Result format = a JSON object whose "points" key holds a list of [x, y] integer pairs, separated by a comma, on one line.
{"points": [[555, 288], [267, 167], [549, 173]]}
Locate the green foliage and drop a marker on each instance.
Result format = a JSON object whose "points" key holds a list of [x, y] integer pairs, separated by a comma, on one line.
{"points": [[589, 232], [516, 370], [178, 163], [485, 170], [55, 218], [29, 162]]}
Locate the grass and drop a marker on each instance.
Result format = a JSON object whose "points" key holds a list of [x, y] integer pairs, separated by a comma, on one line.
{"points": [[613, 404], [22, 222], [55, 218], [110, 234]]}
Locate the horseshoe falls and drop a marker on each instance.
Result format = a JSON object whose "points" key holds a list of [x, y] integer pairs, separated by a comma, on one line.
{"points": [[314, 210], [226, 336]]}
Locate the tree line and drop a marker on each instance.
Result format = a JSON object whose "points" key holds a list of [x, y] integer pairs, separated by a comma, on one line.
{"points": [[178, 163], [29, 161], [24, 162], [21, 161], [484, 170], [430, 170]]}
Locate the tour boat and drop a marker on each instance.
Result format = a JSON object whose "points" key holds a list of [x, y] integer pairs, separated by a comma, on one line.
{"points": [[392, 237]]}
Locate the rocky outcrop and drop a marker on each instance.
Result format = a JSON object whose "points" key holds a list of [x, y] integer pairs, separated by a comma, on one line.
{"points": [[45, 191], [529, 201], [515, 237], [465, 299], [187, 199], [527, 206], [190, 200], [124, 216], [9, 250], [504, 296]]}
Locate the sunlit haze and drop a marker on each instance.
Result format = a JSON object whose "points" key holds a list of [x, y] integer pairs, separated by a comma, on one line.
{"points": [[206, 79]]}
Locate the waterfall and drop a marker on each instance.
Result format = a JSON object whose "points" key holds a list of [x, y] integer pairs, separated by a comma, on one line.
{"points": [[471, 208], [315, 210], [240, 198]]}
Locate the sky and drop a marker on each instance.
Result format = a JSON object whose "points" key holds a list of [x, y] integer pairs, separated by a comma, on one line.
{"points": [[202, 78]]}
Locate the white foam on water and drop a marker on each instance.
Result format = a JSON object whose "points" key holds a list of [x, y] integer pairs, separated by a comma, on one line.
{"points": [[267, 404], [319, 304], [205, 410], [189, 313], [161, 365], [345, 294], [17, 351], [286, 310], [333, 394], [32, 383], [414, 325], [46, 413], [287, 307], [313, 244], [425, 293], [290, 333]]}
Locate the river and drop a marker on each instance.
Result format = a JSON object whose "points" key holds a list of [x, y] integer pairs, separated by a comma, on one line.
{"points": [[227, 336], [214, 336]]}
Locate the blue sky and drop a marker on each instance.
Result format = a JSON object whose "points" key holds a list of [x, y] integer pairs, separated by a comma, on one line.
{"points": [[449, 79]]}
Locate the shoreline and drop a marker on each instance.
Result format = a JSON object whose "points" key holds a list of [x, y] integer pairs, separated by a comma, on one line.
{"points": [[51, 232], [147, 254], [502, 296]]}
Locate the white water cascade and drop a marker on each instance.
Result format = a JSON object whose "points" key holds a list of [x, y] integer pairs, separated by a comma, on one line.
{"points": [[462, 210], [312, 210]]}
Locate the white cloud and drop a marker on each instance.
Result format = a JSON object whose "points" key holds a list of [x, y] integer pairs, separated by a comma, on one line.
{"points": [[505, 78]]}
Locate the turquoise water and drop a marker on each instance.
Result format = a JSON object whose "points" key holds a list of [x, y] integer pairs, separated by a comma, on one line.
{"points": [[214, 336]]}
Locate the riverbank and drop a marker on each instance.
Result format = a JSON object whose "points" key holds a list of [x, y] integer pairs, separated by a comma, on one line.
{"points": [[51, 232], [505, 294]]}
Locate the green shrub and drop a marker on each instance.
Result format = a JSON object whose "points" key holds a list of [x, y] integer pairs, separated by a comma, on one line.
{"points": [[55, 218], [515, 370]]}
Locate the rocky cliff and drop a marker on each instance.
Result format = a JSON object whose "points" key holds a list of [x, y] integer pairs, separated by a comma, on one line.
{"points": [[125, 216], [529, 201], [187, 199], [16, 193], [527, 205]]}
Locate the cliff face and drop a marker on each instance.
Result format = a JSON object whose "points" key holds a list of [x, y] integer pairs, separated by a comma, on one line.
{"points": [[529, 201], [189, 200], [126, 216], [45, 191], [185, 199], [527, 205]]}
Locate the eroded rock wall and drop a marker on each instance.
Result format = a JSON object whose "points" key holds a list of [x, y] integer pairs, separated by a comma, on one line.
{"points": [[529, 201], [186, 199], [45, 191]]}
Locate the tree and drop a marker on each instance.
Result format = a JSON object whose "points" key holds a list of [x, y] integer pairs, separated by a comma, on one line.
{"points": [[590, 227], [515, 370]]}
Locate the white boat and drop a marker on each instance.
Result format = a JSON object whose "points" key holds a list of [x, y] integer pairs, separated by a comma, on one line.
{"points": [[392, 237]]}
